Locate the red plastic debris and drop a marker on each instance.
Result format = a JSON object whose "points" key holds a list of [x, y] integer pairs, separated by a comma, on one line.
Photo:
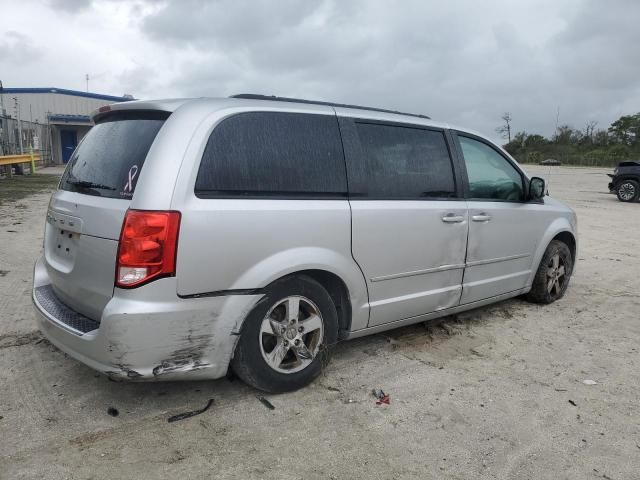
{"points": [[381, 397]]}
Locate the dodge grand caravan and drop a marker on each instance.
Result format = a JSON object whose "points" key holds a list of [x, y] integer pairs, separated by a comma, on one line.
{"points": [[188, 237]]}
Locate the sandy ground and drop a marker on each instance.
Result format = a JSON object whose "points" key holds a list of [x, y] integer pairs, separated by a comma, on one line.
{"points": [[494, 393]]}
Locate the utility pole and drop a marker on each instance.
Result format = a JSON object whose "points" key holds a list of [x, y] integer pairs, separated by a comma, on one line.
{"points": [[15, 99], [50, 137], [1, 99], [86, 77]]}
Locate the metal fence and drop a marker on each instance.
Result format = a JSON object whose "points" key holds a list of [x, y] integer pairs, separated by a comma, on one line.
{"points": [[16, 139]]}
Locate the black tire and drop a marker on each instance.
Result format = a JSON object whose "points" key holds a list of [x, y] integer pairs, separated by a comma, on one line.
{"points": [[248, 361], [541, 292], [628, 191]]}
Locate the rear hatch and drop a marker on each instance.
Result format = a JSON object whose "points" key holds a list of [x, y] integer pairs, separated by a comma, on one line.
{"points": [[85, 215]]}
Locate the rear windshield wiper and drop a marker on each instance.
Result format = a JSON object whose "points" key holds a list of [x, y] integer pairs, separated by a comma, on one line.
{"points": [[87, 184]]}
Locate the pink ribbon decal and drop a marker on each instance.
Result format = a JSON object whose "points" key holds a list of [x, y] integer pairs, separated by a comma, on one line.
{"points": [[133, 171]]}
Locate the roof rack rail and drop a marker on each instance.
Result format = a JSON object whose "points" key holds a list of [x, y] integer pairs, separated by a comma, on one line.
{"points": [[253, 96]]}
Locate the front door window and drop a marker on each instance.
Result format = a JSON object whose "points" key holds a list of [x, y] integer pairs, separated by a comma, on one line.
{"points": [[491, 176]]}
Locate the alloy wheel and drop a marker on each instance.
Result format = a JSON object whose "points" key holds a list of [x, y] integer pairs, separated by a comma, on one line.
{"points": [[291, 334], [626, 191], [556, 275]]}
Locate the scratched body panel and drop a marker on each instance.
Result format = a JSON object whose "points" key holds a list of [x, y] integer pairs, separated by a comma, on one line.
{"points": [[153, 334]]}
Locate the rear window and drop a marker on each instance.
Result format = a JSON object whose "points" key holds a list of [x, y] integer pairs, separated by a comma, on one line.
{"points": [[109, 159], [273, 154]]}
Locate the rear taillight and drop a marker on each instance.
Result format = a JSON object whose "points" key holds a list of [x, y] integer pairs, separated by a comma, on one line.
{"points": [[147, 248]]}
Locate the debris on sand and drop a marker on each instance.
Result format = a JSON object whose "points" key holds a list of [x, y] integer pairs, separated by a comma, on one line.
{"points": [[265, 402], [589, 382], [113, 411], [182, 416], [573, 403], [381, 397]]}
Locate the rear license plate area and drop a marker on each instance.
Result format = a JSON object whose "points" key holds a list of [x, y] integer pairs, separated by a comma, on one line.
{"points": [[65, 243]]}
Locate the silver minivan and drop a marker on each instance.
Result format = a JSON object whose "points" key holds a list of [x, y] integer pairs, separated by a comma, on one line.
{"points": [[188, 237]]}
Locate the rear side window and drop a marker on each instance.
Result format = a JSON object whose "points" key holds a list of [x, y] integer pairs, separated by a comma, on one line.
{"points": [[403, 162], [108, 161], [273, 154]]}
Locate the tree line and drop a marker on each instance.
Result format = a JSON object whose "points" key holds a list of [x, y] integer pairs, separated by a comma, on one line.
{"points": [[591, 146]]}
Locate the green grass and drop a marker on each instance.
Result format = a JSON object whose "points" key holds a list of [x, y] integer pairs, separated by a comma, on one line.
{"points": [[21, 186]]}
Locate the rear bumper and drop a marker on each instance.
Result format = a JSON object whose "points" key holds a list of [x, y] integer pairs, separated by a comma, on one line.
{"points": [[148, 333]]}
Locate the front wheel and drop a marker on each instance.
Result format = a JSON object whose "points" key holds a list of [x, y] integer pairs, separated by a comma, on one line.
{"points": [[286, 339], [628, 191], [552, 278]]}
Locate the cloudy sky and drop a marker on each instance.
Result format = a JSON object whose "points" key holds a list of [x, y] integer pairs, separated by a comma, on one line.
{"points": [[464, 62]]}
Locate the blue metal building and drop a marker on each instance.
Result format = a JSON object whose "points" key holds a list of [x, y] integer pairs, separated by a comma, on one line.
{"points": [[52, 120]]}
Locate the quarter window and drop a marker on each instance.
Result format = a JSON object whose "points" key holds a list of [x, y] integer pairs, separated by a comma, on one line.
{"points": [[265, 153], [405, 162], [491, 176]]}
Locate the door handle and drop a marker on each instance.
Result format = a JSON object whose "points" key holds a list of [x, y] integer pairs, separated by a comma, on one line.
{"points": [[452, 218], [481, 217]]}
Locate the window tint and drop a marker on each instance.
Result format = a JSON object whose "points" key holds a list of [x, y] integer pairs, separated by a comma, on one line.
{"points": [[263, 153], [404, 162], [108, 161], [490, 175]]}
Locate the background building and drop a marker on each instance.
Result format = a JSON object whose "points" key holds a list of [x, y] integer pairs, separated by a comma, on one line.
{"points": [[50, 120]]}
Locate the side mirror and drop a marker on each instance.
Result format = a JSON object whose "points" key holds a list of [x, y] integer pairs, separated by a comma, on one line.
{"points": [[536, 188]]}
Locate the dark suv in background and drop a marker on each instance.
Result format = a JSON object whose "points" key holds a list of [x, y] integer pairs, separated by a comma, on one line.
{"points": [[625, 181]]}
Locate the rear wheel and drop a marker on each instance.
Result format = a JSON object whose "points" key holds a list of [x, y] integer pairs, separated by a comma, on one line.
{"points": [[286, 338], [554, 272], [628, 191]]}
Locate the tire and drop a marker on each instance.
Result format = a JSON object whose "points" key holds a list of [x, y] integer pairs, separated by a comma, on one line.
{"points": [[552, 279], [273, 354], [628, 191]]}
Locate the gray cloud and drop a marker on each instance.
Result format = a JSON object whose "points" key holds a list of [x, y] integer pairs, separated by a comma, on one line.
{"points": [[224, 23], [427, 58], [18, 47], [140, 77], [465, 62], [70, 6], [599, 48]]}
